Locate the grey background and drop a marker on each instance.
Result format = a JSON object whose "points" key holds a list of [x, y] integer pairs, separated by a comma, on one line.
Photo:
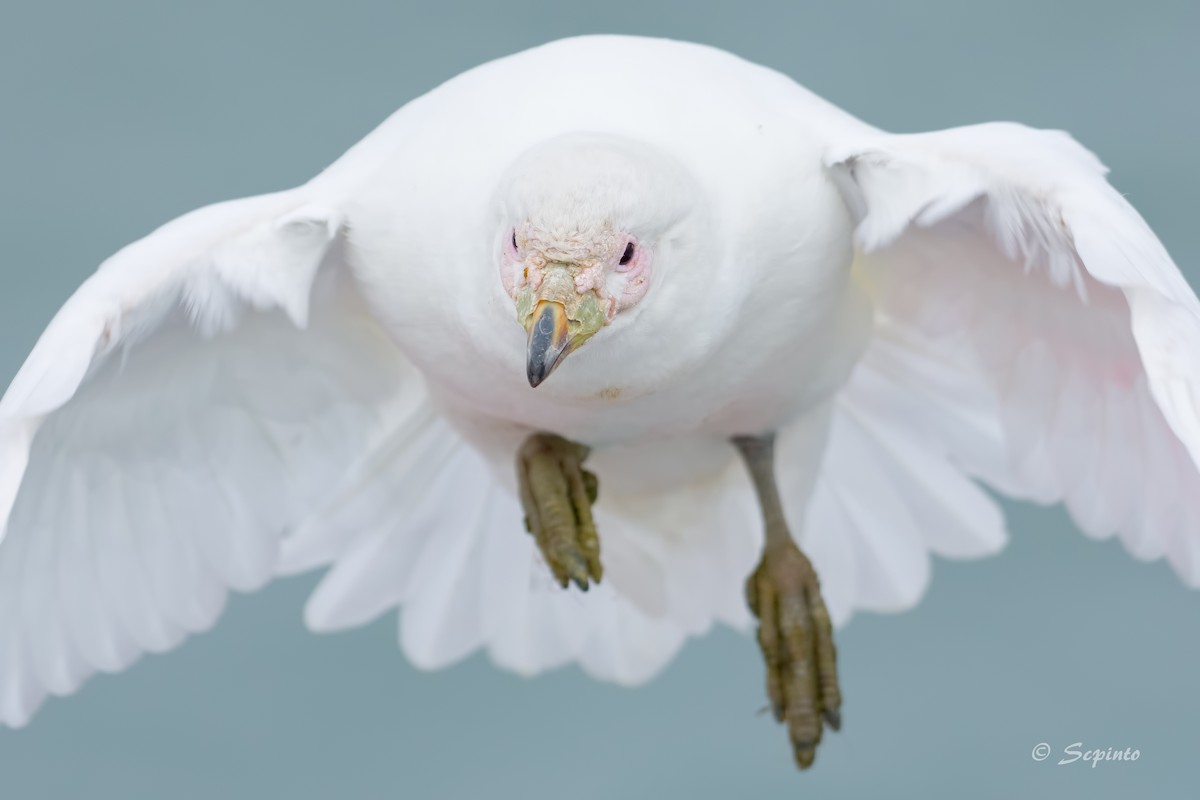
{"points": [[117, 116]]}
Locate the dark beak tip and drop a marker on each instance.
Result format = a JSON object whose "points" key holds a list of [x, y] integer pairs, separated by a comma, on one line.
{"points": [[548, 343], [538, 370]]}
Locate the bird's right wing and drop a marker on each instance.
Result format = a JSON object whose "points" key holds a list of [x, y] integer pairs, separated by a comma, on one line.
{"points": [[194, 399]]}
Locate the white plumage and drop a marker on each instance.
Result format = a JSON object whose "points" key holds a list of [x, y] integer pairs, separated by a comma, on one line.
{"points": [[332, 375]]}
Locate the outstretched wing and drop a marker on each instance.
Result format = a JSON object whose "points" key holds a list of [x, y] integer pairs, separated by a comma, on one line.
{"points": [[194, 398], [1031, 331]]}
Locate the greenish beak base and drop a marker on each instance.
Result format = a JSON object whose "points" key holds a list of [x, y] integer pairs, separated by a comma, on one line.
{"points": [[556, 329]]}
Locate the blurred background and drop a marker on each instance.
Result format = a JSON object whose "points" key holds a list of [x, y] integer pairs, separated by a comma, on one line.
{"points": [[117, 116]]}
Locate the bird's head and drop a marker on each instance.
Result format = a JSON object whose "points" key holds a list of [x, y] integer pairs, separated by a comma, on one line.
{"points": [[588, 224]]}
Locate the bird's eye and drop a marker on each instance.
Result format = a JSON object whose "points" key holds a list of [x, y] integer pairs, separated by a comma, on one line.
{"points": [[627, 256]]}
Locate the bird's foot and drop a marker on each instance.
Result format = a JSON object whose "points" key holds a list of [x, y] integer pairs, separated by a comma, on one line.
{"points": [[796, 637], [558, 494]]}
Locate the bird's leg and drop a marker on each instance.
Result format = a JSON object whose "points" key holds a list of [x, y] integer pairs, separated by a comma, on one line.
{"points": [[558, 494], [794, 629]]}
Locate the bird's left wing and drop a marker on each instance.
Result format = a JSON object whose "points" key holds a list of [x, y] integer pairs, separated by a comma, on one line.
{"points": [[199, 394], [1030, 331]]}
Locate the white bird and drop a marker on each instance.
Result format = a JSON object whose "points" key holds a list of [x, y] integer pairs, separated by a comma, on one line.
{"points": [[340, 374]]}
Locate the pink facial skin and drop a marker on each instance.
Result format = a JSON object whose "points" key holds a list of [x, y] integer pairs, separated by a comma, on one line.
{"points": [[511, 266], [636, 274], [597, 259]]}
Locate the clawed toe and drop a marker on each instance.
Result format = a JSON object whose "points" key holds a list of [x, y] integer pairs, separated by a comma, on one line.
{"points": [[796, 638], [558, 495]]}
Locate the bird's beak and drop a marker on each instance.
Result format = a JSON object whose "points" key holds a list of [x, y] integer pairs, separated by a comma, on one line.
{"points": [[549, 342], [559, 320]]}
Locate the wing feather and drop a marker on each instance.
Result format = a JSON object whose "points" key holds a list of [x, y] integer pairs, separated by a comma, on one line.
{"points": [[1002, 254], [191, 402]]}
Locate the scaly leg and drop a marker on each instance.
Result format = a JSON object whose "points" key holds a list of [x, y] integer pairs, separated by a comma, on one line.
{"points": [[794, 630], [558, 494]]}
